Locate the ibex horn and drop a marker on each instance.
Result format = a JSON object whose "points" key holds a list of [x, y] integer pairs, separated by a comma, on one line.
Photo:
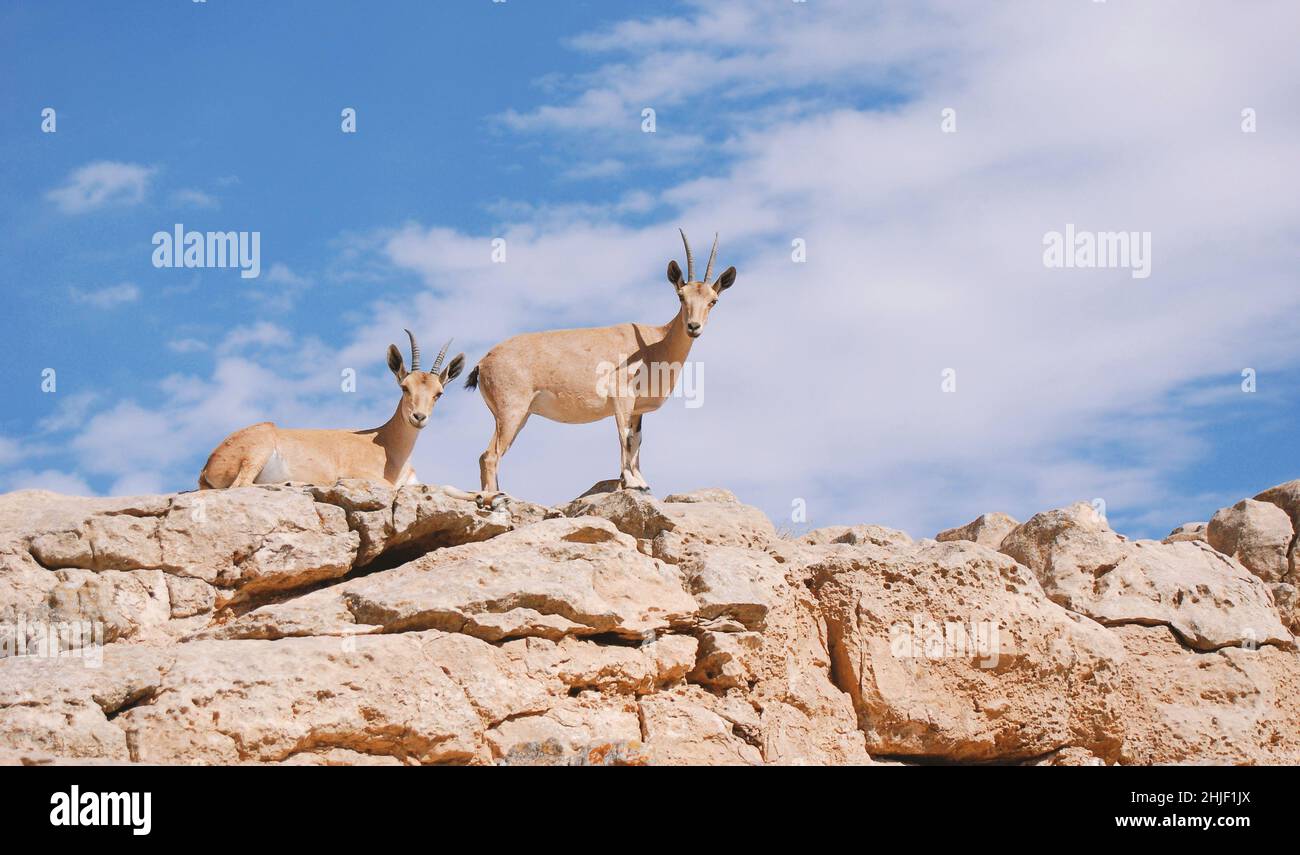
{"points": [[690, 259], [437, 363], [415, 352], [712, 253]]}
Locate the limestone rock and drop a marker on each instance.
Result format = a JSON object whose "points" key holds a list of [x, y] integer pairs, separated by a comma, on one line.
{"points": [[1187, 531], [1208, 599], [610, 668], [1287, 497], [1287, 601], [854, 535], [634, 513], [727, 660], [951, 651], [670, 529], [588, 729], [245, 540], [355, 624], [1258, 534], [728, 581], [709, 495], [986, 530], [554, 578], [418, 518], [1232, 706], [690, 727], [1070, 756]]}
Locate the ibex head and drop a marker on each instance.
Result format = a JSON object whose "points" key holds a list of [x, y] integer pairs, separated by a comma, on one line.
{"points": [[422, 389], [698, 296]]}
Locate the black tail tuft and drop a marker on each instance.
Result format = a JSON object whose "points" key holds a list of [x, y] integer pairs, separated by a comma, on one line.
{"points": [[471, 382]]}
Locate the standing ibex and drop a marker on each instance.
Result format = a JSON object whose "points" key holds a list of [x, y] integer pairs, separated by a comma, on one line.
{"points": [[584, 375], [266, 454]]}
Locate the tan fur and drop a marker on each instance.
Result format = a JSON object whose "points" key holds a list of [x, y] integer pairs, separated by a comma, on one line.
{"points": [[570, 375], [324, 456]]}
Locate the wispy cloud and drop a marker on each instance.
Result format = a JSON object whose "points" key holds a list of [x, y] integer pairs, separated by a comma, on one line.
{"points": [[262, 334], [10, 452], [605, 168], [260, 372], [192, 198], [282, 274], [109, 297], [186, 345], [279, 289], [53, 480], [100, 184], [70, 412], [721, 52]]}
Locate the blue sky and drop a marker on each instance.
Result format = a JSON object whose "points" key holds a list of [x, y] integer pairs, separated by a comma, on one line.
{"points": [[776, 121]]}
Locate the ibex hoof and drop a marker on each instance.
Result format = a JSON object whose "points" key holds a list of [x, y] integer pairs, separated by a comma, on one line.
{"points": [[497, 501]]}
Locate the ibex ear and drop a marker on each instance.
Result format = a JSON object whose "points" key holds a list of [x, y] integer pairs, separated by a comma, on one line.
{"points": [[395, 363], [453, 369], [674, 274], [724, 281]]}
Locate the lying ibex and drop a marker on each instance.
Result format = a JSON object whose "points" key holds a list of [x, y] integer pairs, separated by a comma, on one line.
{"points": [[584, 375], [266, 454]]}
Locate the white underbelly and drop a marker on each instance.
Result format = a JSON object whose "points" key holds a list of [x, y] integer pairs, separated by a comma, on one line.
{"points": [[276, 470]]}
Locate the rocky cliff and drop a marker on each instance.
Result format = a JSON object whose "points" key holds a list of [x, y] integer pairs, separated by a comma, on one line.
{"points": [[355, 624]]}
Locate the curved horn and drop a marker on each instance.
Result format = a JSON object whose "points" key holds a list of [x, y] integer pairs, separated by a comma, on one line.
{"points": [[712, 253], [690, 259], [415, 352], [437, 363]]}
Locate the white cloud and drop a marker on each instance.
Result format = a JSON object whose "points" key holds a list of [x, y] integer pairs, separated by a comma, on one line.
{"points": [[138, 484], [70, 411], [262, 334], [187, 345], [161, 446], [108, 297], [604, 168], [9, 451], [193, 198], [279, 289], [723, 51], [281, 274], [102, 183], [46, 479]]}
